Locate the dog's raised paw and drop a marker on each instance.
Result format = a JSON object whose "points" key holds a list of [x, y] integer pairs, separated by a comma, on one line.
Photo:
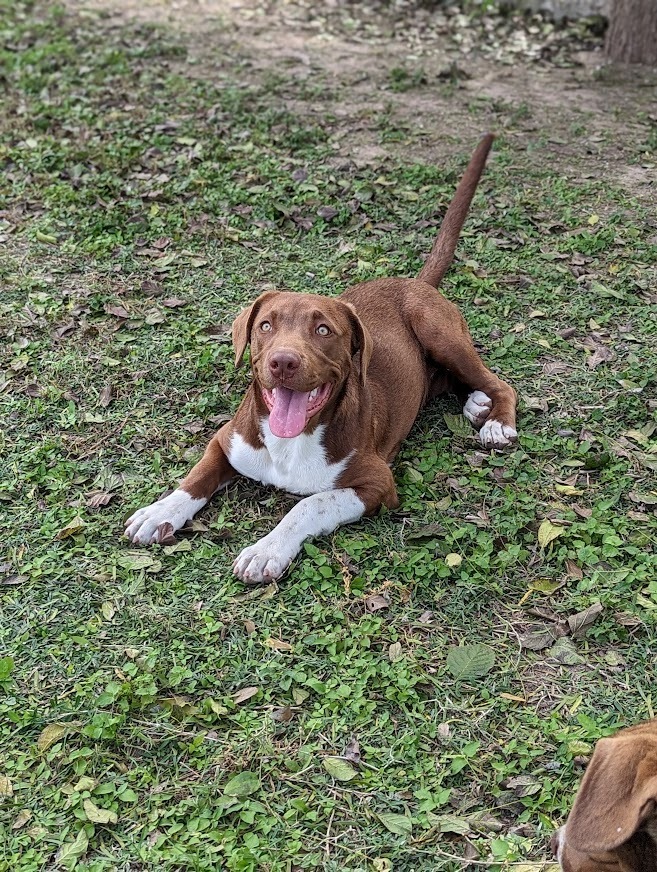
{"points": [[477, 408], [494, 434]]}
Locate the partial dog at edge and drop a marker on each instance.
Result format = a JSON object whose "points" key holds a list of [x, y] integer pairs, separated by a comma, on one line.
{"points": [[337, 385], [613, 823]]}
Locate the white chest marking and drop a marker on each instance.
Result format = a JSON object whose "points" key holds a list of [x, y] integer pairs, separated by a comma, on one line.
{"points": [[298, 465]]}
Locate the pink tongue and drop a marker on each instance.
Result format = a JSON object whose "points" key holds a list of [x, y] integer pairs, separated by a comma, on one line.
{"points": [[288, 417]]}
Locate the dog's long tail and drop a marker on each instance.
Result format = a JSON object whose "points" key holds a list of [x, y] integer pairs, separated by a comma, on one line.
{"points": [[442, 251]]}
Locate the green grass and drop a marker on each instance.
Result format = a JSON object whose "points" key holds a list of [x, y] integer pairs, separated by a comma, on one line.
{"points": [[130, 184]]}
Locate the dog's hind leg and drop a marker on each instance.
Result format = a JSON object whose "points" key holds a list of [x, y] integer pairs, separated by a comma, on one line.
{"points": [[444, 335]]}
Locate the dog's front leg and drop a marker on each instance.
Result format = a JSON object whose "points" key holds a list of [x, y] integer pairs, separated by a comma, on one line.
{"points": [[212, 471], [315, 515]]}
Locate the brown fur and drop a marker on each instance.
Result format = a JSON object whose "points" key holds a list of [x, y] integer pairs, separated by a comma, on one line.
{"points": [[613, 824], [392, 344]]}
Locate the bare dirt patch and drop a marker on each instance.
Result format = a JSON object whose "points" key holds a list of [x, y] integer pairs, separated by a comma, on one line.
{"points": [[409, 84]]}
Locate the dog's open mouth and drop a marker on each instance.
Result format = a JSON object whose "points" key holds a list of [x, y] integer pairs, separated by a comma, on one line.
{"points": [[290, 411]]}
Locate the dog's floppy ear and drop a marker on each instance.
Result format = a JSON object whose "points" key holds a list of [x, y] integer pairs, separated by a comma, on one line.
{"points": [[243, 323], [361, 341], [618, 792]]}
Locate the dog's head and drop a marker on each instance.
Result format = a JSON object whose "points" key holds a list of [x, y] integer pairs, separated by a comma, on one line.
{"points": [[303, 349], [613, 824]]}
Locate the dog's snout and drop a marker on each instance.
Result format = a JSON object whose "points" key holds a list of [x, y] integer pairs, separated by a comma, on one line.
{"points": [[284, 364]]}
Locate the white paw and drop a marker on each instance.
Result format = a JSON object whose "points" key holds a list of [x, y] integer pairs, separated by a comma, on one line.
{"points": [[143, 527], [477, 408], [267, 560], [494, 434]]}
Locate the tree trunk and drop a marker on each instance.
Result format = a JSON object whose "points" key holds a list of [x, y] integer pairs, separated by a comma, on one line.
{"points": [[632, 34]]}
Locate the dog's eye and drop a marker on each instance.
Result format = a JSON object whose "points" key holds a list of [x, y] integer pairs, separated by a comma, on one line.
{"points": [[322, 330], [265, 326]]}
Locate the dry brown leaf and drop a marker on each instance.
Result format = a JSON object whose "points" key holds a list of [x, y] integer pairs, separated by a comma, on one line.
{"points": [[578, 623], [194, 525], [523, 785], [626, 619], [194, 427], [284, 714], [643, 499], [429, 531], [537, 404], [105, 396], [166, 534], [352, 751], [545, 614], [98, 499], [541, 637], [117, 311], [602, 354], [375, 602], [245, 693], [555, 368], [15, 579], [64, 330]]}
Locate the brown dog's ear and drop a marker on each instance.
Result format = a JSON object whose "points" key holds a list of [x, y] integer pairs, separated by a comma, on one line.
{"points": [[362, 341], [618, 792], [243, 323]]}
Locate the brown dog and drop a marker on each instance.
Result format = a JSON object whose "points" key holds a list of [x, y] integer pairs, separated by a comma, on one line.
{"points": [[337, 385], [613, 824]]}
